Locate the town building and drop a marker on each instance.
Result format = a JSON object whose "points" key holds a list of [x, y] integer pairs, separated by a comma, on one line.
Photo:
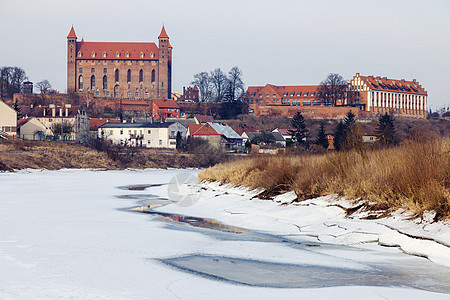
{"points": [[220, 136], [8, 121], [149, 135], [202, 119], [30, 128], [190, 94], [163, 109], [120, 69], [54, 116], [383, 95], [28, 87]]}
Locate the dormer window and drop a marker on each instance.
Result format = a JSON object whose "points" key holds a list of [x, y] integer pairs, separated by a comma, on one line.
{"points": [[142, 54], [93, 54], [104, 54], [117, 54], [127, 55], [80, 54], [152, 55]]}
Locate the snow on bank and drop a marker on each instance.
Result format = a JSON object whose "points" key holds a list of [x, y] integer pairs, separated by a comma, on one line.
{"points": [[322, 219]]}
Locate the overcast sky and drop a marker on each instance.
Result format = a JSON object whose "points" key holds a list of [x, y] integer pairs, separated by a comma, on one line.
{"points": [[283, 42]]}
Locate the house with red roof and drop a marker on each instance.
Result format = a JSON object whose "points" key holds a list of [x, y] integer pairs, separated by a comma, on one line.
{"points": [[8, 121], [163, 109], [131, 70], [220, 136], [30, 128]]}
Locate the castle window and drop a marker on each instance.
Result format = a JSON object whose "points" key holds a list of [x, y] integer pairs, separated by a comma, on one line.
{"points": [[104, 70], [80, 82], [141, 76], [127, 55], [92, 82], [105, 82], [81, 70], [162, 84], [129, 75], [117, 75], [142, 54], [146, 94], [104, 54], [93, 54], [137, 94], [97, 94], [79, 54], [92, 70], [129, 94], [107, 94], [117, 54], [152, 55], [153, 75]]}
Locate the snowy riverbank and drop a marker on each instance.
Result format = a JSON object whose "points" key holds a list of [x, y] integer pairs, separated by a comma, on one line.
{"points": [[69, 234]]}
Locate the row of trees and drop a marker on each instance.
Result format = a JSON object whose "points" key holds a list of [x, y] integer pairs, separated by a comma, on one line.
{"points": [[347, 134], [217, 86]]}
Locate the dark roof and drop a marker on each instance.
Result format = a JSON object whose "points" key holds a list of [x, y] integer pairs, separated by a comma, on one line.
{"points": [[137, 125]]}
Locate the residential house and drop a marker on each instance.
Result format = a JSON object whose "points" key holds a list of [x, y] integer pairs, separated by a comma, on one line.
{"points": [[203, 119], [94, 123], [53, 116], [163, 109], [218, 135], [150, 135], [31, 129], [264, 138], [8, 121]]}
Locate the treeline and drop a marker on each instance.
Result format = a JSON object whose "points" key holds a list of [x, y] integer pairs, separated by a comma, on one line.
{"points": [[217, 86], [11, 81]]}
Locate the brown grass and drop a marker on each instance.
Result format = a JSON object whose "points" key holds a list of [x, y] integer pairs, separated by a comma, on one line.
{"points": [[414, 176]]}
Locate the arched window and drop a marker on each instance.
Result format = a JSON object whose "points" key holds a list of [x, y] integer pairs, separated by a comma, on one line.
{"points": [[105, 82], [152, 55], [117, 54], [93, 54], [92, 82], [127, 55], [141, 76], [104, 54], [153, 75], [79, 54], [129, 75], [117, 75], [142, 54], [80, 82]]}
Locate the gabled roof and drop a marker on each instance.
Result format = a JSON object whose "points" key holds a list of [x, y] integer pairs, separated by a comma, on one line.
{"points": [[283, 130], [393, 85], [225, 130], [38, 112], [137, 125], [202, 129], [23, 121], [163, 33], [94, 123], [112, 48], [204, 118], [166, 104], [72, 34], [282, 91]]}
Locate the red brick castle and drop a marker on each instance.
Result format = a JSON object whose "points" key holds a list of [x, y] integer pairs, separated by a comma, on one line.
{"points": [[120, 69]]}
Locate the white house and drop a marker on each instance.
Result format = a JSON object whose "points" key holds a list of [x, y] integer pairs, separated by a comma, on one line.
{"points": [[8, 121], [150, 135], [30, 129]]}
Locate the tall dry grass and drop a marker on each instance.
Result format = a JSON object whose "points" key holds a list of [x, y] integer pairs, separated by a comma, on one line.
{"points": [[415, 176]]}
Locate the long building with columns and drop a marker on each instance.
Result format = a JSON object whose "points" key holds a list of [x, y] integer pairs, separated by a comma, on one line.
{"points": [[120, 69], [383, 95]]}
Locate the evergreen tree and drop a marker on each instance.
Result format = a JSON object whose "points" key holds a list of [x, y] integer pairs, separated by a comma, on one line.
{"points": [[386, 131], [339, 136], [321, 139], [300, 131], [16, 107]]}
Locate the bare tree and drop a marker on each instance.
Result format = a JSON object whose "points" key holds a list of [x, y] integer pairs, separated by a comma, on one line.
{"points": [[219, 82], [62, 130], [11, 81], [235, 88], [331, 89], [203, 82], [43, 85]]}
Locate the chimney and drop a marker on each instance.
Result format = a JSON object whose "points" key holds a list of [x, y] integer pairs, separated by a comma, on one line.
{"points": [[43, 111], [67, 111], [52, 106], [414, 80], [357, 74], [60, 112]]}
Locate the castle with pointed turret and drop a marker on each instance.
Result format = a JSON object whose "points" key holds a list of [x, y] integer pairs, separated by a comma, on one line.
{"points": [[120, 69]]}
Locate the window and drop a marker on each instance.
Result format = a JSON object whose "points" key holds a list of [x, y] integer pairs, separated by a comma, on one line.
{"points": [[104, 70], [267, 95], [80, 82], [121, 131], [149, 131], [141, 76], [127, 55], [92, 82], [153, 75], [92, 70], [129, 94], [274, 95], [148, 142], [260, 95], [116, 73], [111, 132], [292, 94], [299, 94], [142, 54], [81, 70], [152, 55], [79, 54], [305, 94], [97, 94], [137, 94], [107, 94], [312, 94], [129, 75], [160, 142], [104, 54], [105, 82], [93, 54], [146, 94], [117, 54]]}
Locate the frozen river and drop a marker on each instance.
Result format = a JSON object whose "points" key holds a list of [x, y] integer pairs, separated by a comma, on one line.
{"points": [[71, 234]]}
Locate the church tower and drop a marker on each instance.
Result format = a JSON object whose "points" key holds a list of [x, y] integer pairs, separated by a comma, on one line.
{"points": [[71, 56], [165, 66]]}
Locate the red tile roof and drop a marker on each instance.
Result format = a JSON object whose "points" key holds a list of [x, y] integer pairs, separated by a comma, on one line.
{"points": [[201, 129], [94, 123], [72, 34], [204, 118], [393, 85], [285, 91], [163, 34], [22, 121], [166, 104], [111, 48]]}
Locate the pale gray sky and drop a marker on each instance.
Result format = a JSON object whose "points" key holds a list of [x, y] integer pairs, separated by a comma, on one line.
{"points": [[284, 42]]}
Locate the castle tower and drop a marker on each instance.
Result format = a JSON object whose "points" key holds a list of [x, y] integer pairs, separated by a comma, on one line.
{"points": [[165, 65], [71, 55]]}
